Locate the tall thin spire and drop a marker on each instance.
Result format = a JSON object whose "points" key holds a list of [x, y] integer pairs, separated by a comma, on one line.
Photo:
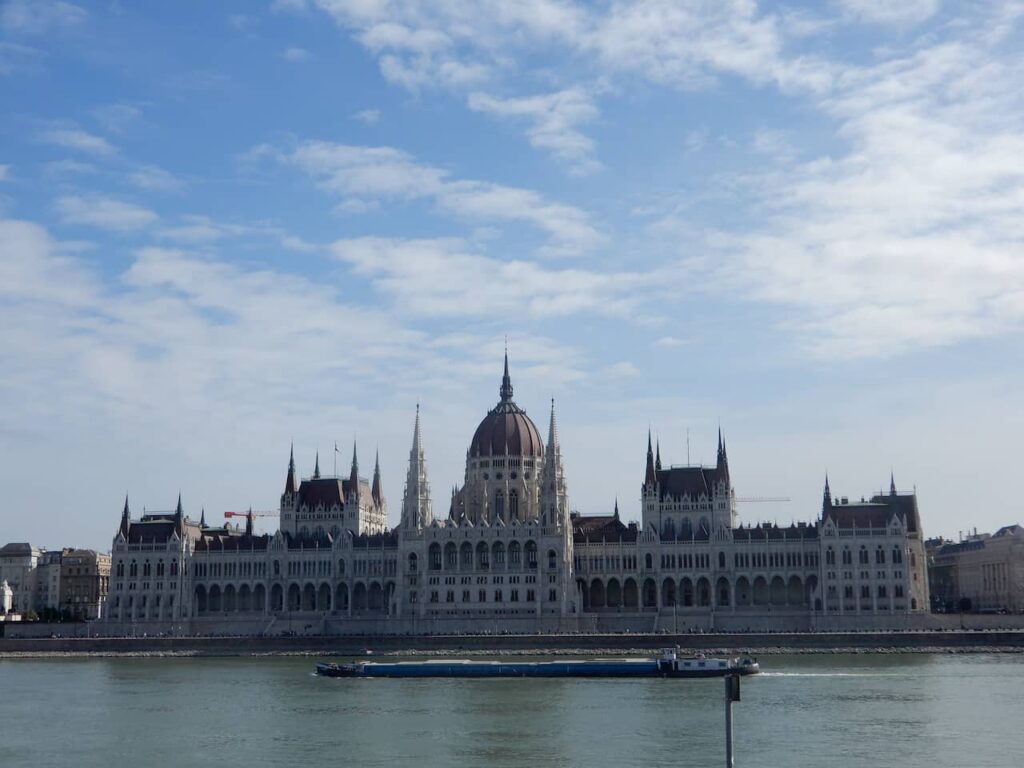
{"points": [[248, 523], [417, 511], [376, 491], [126, 520], [657, 455], [826, 498], [506, 380], [649, 476], [552, 428], [353, 477], [291, 484], [202, 518], [316, 468], [892, 483], [177, 509], [616, 507]]}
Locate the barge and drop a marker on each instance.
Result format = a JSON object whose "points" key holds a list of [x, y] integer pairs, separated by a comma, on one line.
{"points": [[668, 664]]}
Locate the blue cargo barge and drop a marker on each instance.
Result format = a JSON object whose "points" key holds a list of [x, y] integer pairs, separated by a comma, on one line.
{"points": [[667, 665]]}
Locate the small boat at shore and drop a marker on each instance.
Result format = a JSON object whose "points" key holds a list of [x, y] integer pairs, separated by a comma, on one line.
{"points": [[668, 664]]}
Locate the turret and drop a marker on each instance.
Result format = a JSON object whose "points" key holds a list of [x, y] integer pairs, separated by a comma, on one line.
{"points": [[657, 456], [722, 464], [316, 467], [179, 518], [554, 501], [248, 523], [650, 478], [291, 484], [377, 493], [126, 521], [826, 499], [417, 510], [353, 476]]}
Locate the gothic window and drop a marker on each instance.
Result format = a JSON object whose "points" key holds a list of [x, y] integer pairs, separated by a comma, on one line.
{"points": [[160, 568], [863, 557], [133, 569], [880, 556], [412, 563], [513, 504], [721, 559], [648, 561], [847, 556], [897, 555], [552, 560], [499, 504], [669, 529]]}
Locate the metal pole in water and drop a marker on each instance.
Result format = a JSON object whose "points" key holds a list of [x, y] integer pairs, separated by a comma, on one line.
{"points": [[732, 693]]}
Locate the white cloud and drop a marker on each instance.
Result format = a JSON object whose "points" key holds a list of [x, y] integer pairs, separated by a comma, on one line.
{"points": [[553, 119], [670, 341], [36, 17], [104, 213], [295, 54], [117, 118], [368, 116], [152, 177], [886, 12], [14, 55], [445, 278], [33, 268], [382, 173], [78, 140], [912, 237]]}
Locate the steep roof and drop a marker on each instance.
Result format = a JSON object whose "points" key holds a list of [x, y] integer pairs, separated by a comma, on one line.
{"points": [[770, 532], [875, 513], [601, 528], [676, 482]]}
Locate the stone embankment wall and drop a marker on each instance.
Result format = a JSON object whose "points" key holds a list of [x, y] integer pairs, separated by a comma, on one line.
{"points": [[992, 640]]}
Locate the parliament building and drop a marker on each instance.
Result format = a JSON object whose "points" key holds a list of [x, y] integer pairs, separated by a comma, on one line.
{"points": [[510, 556]]}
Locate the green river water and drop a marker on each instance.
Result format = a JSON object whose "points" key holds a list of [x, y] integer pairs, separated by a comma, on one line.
{"points": [[913, 711]]}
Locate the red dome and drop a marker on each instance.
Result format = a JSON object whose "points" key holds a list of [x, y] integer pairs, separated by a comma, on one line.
{"points": [[506, 430]]}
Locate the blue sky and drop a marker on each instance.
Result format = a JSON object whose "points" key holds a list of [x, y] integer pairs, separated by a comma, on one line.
{"points": [[225, 227]]}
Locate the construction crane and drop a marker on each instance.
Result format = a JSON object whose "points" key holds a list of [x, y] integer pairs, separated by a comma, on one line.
{"points": [[758, 499], [260, 513]]}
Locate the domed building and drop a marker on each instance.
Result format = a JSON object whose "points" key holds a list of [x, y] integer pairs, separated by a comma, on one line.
{"points": [[503, 466]]}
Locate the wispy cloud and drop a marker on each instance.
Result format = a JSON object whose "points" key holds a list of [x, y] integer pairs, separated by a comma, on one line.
{"points": [[152, 177], [104, 213], [5, 172], [117, 118], [371, 173], [295, 54], [446, 277], [554, 119], [77, 140], [884, 12], [912, 237], [368, 116], [37, 17]]}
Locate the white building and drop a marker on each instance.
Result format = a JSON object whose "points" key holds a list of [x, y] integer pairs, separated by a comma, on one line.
{"points": [[509, 555], [18, 562]]}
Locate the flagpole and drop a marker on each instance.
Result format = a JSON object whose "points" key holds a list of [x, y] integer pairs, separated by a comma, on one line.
{"points": [[335, 458]]}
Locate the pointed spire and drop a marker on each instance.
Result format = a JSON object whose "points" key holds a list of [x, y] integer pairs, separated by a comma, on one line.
{"points": [[416, 505], [177, 509], [657, 455], [291, 484], [616, 507], [892, 483], [353, 477], [506, 381], [126, 520], [248, 523], [826, 498], [552, 429], [376, 491], [649, 476], [723, 458], [316, 468], [202, 518]]}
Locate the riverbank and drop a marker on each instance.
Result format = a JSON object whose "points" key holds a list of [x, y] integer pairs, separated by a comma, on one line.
{"points": [[1004, 641]]}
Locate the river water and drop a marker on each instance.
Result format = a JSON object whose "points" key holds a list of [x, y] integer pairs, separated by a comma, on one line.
{"points": [[829, 710]]}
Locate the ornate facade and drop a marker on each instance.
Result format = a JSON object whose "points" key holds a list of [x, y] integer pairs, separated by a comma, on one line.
{"points": [[511, 556]]}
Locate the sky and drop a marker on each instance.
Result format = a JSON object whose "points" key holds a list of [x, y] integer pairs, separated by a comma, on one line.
{"points": [[230, 227]]}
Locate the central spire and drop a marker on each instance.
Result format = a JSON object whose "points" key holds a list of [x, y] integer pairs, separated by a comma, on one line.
{"points": [[506, 382]]}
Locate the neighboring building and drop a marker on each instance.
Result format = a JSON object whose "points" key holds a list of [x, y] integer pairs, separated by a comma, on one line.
{"points": [[18, 568], [986, 571], [84, 583], [47, 578], [510, 556]]}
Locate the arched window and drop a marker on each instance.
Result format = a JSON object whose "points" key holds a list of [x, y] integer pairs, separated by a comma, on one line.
{"points": [[159, 568], [513, 505], [879, 556], [434, 562], [830, 556], [341, 567], [863, 556], [552, 560], [335, 532], [721, 562], [174, 567], [412, 562], [133, 569], [277, 567], [648, 561], [499, 504], [120, 569], [847, 556], [668, 530]]}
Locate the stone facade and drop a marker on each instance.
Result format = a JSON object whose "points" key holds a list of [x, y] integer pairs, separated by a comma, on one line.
{"points": [[84, 583], [985, 570], [510, 556]]}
